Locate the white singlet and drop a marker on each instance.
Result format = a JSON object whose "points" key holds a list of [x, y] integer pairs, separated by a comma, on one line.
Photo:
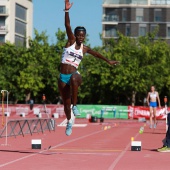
{"points": [[72, 56], [153, 95]]}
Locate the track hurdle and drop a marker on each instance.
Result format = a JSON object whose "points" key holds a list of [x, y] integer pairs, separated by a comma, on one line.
{"points": [[27, 126]]}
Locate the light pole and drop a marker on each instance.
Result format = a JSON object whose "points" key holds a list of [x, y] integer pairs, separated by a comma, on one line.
{"points": [[2, 91]]}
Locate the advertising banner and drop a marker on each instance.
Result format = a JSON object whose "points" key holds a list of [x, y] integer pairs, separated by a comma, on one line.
{"points": [[105, 111], [136, 112]]}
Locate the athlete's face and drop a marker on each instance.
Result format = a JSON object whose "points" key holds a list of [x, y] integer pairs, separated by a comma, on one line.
{"points": [[152, 88], [80, 36]]}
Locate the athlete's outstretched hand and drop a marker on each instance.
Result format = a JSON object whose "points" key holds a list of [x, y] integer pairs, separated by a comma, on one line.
{"points": [[112, 62], [68, 5]]}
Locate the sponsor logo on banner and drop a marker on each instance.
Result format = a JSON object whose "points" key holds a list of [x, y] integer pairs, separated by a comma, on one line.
{"points": [[141, 111]]}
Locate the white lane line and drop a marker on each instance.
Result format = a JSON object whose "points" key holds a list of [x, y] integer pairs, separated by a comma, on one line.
{"points": [[61, 144], [112, 166], [16, 160], [75, 125]]}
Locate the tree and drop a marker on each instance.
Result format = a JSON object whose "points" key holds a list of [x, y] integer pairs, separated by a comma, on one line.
{"points": [[30, 72]]}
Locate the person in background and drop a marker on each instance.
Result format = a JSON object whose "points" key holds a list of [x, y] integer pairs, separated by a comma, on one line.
{"points": [[31, 104], [152, 99], [166, 141]]}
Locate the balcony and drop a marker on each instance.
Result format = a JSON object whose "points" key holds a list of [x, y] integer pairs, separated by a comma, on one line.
{"points": [[160, 2], [110, 35], [110, 31], [3, 29], [125, 2], [110, 18]]}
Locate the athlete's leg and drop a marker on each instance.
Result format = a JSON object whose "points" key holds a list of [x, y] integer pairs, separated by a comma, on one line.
{"points": [[154, 116], [151, 113], [65, 94], [66, 97], [75, 82]]}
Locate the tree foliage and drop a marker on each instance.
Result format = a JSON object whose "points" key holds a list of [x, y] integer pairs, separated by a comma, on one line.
{"points": [[30, 72]]}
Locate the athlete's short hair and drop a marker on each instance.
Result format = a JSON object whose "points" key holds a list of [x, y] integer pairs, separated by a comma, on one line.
{"points": [[79, 28]]}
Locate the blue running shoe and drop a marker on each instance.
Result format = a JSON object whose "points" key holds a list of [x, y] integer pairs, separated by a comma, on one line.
{"points": [[154, 126], [69, 128], [75, 111]]}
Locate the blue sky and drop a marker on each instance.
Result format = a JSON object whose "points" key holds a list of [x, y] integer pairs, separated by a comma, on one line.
{"points": [[49, 16]]}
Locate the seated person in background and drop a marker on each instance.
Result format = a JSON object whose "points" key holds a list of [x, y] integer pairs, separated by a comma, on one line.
{"points": [[166, 146]]}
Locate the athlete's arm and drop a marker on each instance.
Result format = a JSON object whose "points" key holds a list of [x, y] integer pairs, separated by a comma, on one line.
{"points": [[148, 99], [70, 35], [158, 99], [98, 55]]}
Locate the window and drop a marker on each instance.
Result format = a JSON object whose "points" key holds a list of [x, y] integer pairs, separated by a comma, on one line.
{"points": [[124, 15], [168, 31], [142, 30], [2, 10], [2, 38], [2, 21], [111, 14], [127, 32], [21, 12], [20, 27], [111, 31], [20, 41], [154, 28], [139, 14], [157, 15]]}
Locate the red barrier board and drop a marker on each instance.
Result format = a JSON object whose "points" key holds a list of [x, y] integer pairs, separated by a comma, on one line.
{"points": [[18, 109], [136, 112]]}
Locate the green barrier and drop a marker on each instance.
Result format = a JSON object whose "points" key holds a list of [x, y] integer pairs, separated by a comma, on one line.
{"points": [[105, 111]]}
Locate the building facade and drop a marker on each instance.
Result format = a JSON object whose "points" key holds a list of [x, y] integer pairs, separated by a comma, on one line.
{"points": [[136, 18], [16, 21]]}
